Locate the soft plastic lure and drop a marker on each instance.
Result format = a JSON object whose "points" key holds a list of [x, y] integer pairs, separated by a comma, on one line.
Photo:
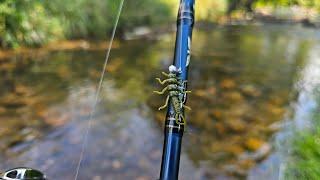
{"points": [[176, 93]]}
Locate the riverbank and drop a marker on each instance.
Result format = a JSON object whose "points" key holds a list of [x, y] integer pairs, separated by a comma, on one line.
{"points": [[66, 45], [149, 33], [276, 15]]}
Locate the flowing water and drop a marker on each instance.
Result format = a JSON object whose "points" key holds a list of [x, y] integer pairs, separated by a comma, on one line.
{"points": [[244, 82]]}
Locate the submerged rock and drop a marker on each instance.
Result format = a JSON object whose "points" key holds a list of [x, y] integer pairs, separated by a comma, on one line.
{"points": [[253, 144], [217, 113], [228, 84], [247, 164], [262, 152], [200, 93], [22, 90], [160, 116], [139, 32], [236, 125], [258, 155], [234, 96], [212, 90], [202, 119], [116, 164], [12, 101], [54, 118], [235, 170], [250, 90], [276, 126], [274, 109], [220, 128], [2, 110], [234, 149]]}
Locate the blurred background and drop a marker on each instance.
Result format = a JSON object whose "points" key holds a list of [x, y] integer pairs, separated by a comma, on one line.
{"points": [[254, 74]]}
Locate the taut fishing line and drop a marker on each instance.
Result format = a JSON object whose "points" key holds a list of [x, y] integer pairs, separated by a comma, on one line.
{"points": [[180, 49], [97, 94]]}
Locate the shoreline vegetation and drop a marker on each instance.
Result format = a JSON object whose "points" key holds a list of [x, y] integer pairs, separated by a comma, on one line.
{"points": [[143, 32], [36, 23], [63, 45], [302, 160]]}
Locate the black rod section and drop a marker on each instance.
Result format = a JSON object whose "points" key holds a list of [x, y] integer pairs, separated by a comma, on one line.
{"points": [[173, 132]]}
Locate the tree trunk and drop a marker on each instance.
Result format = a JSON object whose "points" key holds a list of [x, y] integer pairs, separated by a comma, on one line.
{"points": [[233, 5], [236, 4], [249, 5]]}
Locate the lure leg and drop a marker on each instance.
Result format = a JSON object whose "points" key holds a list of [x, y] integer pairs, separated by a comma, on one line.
{"points": [[162, 92], [159, 80], [187, 107], [162, 82], [182, 122], [167, 80], [165, 74], [165, 105]]}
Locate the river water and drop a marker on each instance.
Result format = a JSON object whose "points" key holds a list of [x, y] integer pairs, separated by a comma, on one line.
{"points": [[244, 82]]}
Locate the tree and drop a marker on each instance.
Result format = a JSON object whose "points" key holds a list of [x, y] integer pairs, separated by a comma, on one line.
{"points": [[247, 5]]}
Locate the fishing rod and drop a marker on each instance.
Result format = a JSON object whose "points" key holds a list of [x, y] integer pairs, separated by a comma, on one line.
{"points": [[177, 92]]}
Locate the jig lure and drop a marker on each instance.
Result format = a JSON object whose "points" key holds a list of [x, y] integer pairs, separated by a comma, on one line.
{"points": [[176, 93]]}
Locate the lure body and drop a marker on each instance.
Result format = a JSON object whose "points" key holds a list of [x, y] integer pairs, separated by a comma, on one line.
{"points": [[176, 93]]}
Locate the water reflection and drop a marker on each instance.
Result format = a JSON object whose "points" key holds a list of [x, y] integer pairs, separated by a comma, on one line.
{"points": [[242, 79], [299, 129]]}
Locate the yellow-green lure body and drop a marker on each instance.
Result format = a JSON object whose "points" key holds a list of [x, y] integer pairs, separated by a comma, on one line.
{"points": [[176, 93]]}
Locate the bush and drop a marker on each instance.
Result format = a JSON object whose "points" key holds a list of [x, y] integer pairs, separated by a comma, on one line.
{"points": [[26, 22], [305, 160], [304, 157], [83, 18], [36, 22]]}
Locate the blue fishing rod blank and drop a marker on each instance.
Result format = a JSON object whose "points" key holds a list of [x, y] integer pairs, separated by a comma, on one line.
{"points": [[173, 132]]}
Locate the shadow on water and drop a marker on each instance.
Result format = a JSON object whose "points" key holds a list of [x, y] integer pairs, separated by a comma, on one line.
{"points": [[242, 79]]}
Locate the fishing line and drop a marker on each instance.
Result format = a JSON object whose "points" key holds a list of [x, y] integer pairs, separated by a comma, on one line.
{"points": [[97, 94], [181, 34]]}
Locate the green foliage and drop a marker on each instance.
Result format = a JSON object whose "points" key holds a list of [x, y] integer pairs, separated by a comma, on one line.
{"points": [[210, 10], [145, 12], [82, 18], [304, 3], [35, 22], [248, 4], [26, 22], [304, 159], [71, 15]]}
